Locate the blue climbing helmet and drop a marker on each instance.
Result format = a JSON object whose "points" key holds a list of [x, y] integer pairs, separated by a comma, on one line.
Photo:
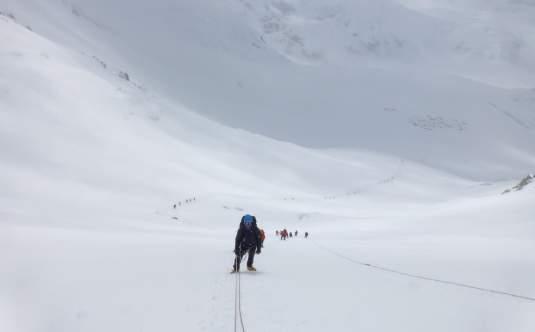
{"points": [[248, 220]]}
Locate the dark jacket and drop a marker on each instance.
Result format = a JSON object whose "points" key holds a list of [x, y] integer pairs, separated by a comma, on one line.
{"points": [[247, 238]]}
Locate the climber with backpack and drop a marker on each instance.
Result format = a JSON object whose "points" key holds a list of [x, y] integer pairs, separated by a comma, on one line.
{"points": [[248, 242]]}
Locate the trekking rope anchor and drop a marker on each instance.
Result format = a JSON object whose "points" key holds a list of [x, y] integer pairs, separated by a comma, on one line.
{"points": [[237, 300], [422, 277]]}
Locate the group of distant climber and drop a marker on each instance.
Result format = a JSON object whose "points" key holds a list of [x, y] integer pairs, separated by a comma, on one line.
{"points": [[186, 201], [284, 234], [250, 241]]}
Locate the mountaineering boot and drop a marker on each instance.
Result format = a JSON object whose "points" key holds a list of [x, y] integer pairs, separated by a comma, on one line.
{"points": [[250, 268]]}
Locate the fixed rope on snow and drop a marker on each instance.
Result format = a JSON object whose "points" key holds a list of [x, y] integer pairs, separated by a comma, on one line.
{"points": [[237, 301], [422, 277]]}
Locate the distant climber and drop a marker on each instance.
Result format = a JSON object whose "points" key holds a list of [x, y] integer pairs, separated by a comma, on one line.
{"points": [[306, 235], [247, 242], [295, 234], [284, 234]]}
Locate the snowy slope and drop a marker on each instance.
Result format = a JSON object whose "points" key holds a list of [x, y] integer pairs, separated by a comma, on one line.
{"points": [[92, 163], [342, 74], [67, 121]]}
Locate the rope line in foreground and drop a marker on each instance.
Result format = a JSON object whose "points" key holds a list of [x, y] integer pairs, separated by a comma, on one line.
{"points": [[235, 304], [237, 301], [422, 277]]}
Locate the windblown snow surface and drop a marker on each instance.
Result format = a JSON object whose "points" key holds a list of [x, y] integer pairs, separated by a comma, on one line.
{"points": [[386, 129]]}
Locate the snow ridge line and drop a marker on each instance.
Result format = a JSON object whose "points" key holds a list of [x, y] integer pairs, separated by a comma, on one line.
{"points": [[422, 277]]}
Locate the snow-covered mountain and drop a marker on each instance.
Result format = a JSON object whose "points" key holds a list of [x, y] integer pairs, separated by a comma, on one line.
{"points": [[451, 90], [135, 134]]}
